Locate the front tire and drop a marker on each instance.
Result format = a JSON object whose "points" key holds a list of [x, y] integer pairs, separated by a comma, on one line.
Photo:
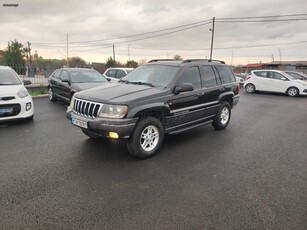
{"points": [[292, 92], [146, 138], [51, 94], [222, 117], [250, 88]]}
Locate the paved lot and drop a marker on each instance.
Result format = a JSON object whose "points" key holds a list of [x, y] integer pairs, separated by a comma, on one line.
{"points": [[253, 175]]}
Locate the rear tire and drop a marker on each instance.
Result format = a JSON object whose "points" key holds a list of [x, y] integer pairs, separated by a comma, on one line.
{"points": [[146, 138], [293, 92], [250, 88], [222, 117]]}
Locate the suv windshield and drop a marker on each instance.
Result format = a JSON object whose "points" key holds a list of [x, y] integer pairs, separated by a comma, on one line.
{"points": [[86, 76], [155, 75], [9, 77]]}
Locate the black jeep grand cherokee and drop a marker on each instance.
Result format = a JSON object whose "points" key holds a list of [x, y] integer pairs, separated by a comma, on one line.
{"points": [[158, 98]]}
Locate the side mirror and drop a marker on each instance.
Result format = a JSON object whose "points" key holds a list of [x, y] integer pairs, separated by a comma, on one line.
{"points": [[66, 80], [284, 79], [109, 79], [185, 87], [27, 82]]}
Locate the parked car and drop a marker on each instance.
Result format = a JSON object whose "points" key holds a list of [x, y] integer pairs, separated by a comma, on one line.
{"points": [[15, 101], [240, 80], [274, 81], [158, 98], [297, 75], [64, 83], [115, 74]]}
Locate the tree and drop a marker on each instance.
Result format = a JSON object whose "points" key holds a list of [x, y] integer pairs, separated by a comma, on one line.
{"points": [[132, 64], [177, 57], [14, 56], [112, 63], [77, 62]]}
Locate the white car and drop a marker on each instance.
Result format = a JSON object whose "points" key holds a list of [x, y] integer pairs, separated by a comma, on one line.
{"points": [[274, 81], [116, 73], [15, 101]]}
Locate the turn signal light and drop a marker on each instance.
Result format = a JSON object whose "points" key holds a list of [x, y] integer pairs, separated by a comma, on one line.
{"points": [[113, 135]]}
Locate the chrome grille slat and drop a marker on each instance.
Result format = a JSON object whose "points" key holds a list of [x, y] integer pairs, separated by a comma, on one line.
{"points": [[86, 108]]}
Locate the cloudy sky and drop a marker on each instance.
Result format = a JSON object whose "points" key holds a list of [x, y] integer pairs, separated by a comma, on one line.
{"points": [[158, 29]]}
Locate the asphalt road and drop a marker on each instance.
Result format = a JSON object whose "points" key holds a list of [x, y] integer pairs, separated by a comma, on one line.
{"points": [[253, 175]]}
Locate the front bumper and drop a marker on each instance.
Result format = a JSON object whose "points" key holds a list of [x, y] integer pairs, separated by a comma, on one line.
{"points": [[26, 109], [102, 126]]}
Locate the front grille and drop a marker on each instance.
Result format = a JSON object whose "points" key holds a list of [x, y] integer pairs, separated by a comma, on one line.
{"points": [[9, 110], [86, 108]]}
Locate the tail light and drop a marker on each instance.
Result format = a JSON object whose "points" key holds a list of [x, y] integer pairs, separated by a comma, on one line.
{"points": [[237, 89], [248, 77]]}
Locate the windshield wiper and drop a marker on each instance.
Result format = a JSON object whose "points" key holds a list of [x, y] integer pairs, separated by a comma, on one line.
{"points": [[124, 81], [141, 83]]}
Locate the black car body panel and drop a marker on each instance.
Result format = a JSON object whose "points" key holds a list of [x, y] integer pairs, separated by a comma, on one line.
{"points": [[176, 111]]}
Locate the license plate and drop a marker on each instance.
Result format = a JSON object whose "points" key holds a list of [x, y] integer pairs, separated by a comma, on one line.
{"points": [[6, 110], [80, 123]]}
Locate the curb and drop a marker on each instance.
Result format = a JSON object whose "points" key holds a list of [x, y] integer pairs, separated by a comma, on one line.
{"points": [[40, 96]]}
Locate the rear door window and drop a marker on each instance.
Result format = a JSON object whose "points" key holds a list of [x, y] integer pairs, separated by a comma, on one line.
{"points": [[208, 76]]}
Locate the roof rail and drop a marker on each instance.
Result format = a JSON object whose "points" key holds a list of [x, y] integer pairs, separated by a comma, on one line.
{"points": [[156, 60], [208, 60]]}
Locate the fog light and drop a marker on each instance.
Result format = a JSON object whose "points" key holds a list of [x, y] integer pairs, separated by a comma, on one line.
{"points": [[28, 106], [113, 135]]}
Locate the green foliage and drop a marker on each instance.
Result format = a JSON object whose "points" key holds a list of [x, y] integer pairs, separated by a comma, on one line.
{"points": [[77, 62], [14, 56], [132, 64], [110, 62]]}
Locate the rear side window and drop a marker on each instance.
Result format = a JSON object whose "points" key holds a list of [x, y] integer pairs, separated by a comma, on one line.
{"points": [[261, 73], [226, 74], [120, 74], [209, 78]]}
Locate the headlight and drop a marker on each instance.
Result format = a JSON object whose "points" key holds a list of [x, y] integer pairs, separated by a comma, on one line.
{"points": [[72, 101], [113, 111], [23, 92], [302, 83]]}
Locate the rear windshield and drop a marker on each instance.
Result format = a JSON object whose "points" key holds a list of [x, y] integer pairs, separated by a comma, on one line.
{"points": [[86, 76], [9, 77]]}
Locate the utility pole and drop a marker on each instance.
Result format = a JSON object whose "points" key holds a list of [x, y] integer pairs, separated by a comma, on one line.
{"points": [[30, 71], [114, 55], [67, 52], [129, 52], [212, 31], [280, 55]]}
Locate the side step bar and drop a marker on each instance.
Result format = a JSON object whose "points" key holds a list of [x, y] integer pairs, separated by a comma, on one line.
{"points": [[190, 127]]}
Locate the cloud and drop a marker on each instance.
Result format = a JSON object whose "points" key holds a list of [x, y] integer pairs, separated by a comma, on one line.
{"points": [[49, 22]]}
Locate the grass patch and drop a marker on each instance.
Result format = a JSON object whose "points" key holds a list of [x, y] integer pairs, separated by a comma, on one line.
{"points": [[39, 91]]}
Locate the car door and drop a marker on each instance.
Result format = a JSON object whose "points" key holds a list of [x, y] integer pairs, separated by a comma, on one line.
{"points": [[262, 80], [212, 89], [278, 82], [64, 85], [54, 81], [185, 106]]}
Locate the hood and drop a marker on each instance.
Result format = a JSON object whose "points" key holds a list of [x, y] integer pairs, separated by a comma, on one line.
{"points": [[87, 85], [10, 90], [117, 93]]}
